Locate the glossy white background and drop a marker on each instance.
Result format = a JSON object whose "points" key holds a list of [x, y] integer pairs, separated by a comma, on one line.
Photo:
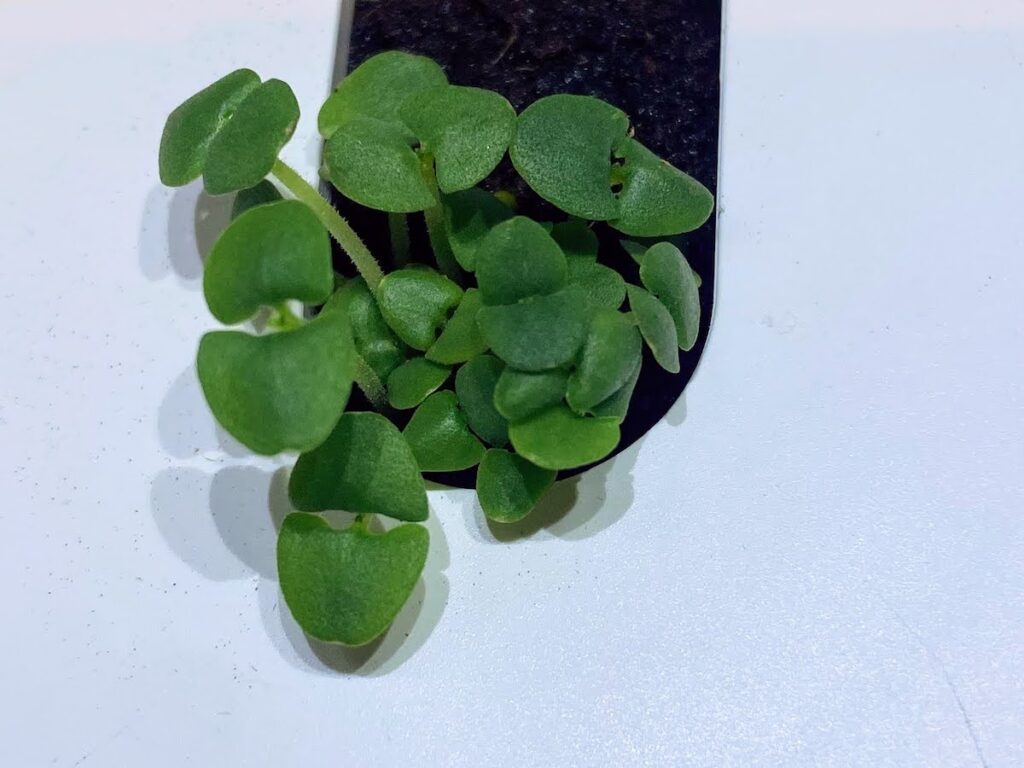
{"points": [[818, 559]]}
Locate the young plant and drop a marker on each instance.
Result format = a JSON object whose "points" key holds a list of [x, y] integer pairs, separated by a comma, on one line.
{"points": [[514, 348]]}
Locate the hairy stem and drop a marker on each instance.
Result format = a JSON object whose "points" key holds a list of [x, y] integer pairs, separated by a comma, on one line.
{"points": [[340, 230], [398, 227], [370, 384], [434, 217]]}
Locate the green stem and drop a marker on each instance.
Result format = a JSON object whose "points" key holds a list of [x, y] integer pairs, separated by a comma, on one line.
{"points": [[398, 226], [436, 231], [370, 383], [284, 319], [340, 230]]}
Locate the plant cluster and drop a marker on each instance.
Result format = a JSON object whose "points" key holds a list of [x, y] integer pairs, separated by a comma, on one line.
{"points": [[512, 349]]}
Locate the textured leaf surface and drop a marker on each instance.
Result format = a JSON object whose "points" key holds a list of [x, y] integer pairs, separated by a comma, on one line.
{"points": [[509, 486], [608, 359], [603, 286], [657, 327], [518, 259], [617, 406], [411, 382], [519, 394], [252, 197], [415, 303], [474, 386], [469, 216], [440, 437], [375, 342], [274, 252], [365, 466], [558, 438], [666, 273], [284, 391], [538, 333], [576, 239], [461, 339], [467, 130], [347, 586]]}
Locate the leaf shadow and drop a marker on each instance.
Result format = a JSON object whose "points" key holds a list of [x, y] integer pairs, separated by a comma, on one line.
{"points": [[186, 427], [179, 227]]}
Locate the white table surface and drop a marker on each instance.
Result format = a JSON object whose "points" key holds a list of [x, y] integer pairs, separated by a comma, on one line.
{"points": [[817, 560]]}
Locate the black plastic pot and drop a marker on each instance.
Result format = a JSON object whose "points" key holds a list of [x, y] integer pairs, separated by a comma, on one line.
{"points": [[658, 60]]}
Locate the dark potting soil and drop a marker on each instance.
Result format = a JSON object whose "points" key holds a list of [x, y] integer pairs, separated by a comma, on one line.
{"points": [[658, 60]]}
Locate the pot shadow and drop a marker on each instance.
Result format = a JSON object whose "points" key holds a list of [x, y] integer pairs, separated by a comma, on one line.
{"points": [[179, 226], [406, 635], [578, 507]]}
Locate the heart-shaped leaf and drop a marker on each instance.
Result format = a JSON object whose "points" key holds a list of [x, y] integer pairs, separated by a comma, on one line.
{"points": [[608, 359], [509, 486], [563, 148], [377, 88], [272, 253], [245, 148], [461, 339], [469, 216], [375, 342], [474, 386], [518, 259], [372, 163], [365, 466], [657, 199], [252, 197], [415, 302], [538, 333], [466, 130], [347, 586], [192, 125], [666, 273], [280, 392], [576, 239], [657, 328], [411, 382], [603, 286], [520, 394], [617, 406], [439, 436], [558, 438]]}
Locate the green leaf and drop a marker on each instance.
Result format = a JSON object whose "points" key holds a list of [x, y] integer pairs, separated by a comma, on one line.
{"points": [[657, 327], [411, 382], [602, 285], [365, 466], [252, 197], [469, 216], [439, 436], [617, 406], [461, 339], [563, 147], [657, 199], [192, 125], [347, 586], [520, 394], [518, 259], [608, 359], [272, 253], [415, 302], [576, 239], [509, 486], [377, 88], [280, 392], [634, 249], [558, 438], [538, 333], [474, 386], [666, 273], [245, 148], [372, 163], [375, 342], [467, 130]]}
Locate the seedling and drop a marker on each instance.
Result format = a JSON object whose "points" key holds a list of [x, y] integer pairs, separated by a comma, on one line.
{"points": [[515, 349]]}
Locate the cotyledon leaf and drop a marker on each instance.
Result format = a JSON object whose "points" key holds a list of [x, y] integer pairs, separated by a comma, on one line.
{"points": [[608, 359], [253, 197], [666, 273], [538, 333], [657, 327], [469, 216], [192, 125], [518, 259], [509, 486], [377, 88], [269, 254], [279, 392], [375, 342], [617, 406], [439, 436], [411, 382], [576, 239], [520, 394], [415, 303], [364, 466], [603, 286], [346, 586], [474, 387], [465, 130], [461, 339], [558, 438]]}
